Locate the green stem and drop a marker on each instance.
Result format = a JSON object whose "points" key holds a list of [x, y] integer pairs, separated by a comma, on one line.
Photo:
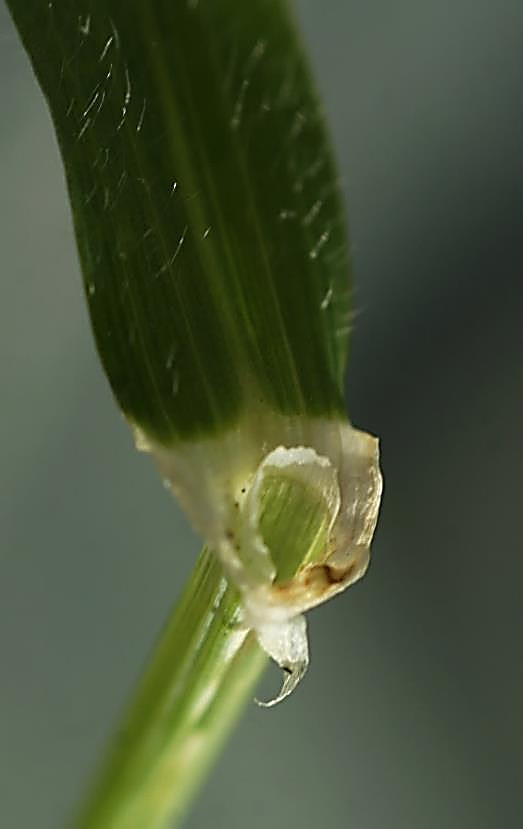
{"points": [[203, 670]]}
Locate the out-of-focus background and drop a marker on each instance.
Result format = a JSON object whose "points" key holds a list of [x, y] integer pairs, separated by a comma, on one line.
{"points": [[411, 714]]}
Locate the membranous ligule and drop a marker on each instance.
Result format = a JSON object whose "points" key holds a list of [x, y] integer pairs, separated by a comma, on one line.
{"points": [[324, 473]]}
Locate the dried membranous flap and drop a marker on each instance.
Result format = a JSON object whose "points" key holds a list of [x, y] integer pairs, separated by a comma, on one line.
{"points": [[219, 482]]}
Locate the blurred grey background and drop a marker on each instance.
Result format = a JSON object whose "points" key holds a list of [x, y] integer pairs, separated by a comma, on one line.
{"points": [[411, 715]]}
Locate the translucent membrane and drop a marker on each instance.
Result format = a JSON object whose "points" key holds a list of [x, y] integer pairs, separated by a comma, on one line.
{"points": [[222, 483]]}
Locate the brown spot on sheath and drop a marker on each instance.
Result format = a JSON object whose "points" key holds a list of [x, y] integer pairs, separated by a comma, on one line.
{"points": [[282, 587], [314, 585], [229, 534], [316, 579], [324, 575], [334, 575]]}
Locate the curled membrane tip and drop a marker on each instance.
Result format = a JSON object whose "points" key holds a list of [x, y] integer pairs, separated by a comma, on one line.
{"points": [[291, 677], [287, 644]]}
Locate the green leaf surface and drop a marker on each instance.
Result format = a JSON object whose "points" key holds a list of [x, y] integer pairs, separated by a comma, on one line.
{"points": [[205, 202]]}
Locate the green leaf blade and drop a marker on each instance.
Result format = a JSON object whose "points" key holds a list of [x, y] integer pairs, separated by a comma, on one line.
{"points": [[205, 202]]}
